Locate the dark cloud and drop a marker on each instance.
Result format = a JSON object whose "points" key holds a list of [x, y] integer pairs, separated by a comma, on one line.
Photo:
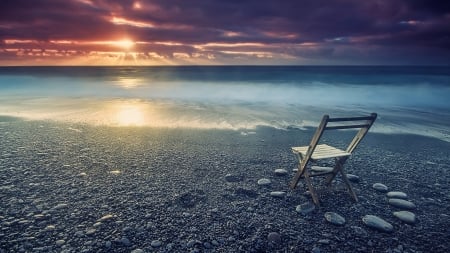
{"points": [[330, 28]]}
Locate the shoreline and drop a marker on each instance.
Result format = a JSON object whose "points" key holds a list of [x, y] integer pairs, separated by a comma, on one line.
{"points": [[75, 188]]}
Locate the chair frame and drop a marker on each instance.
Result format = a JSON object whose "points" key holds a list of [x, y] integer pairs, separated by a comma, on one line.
{"points": [[307, 154]]}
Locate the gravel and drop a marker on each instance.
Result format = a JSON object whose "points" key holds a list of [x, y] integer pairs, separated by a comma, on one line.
{"points": [[119, 189]]}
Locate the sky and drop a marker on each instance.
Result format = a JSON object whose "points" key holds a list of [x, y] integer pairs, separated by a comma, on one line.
{"points": [[224, 32]]}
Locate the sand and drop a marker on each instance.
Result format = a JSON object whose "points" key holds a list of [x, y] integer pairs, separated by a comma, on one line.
{"points": [[79, 188]]}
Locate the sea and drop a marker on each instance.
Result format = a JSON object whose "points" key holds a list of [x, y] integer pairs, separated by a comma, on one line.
{"points": [[407, 99]]}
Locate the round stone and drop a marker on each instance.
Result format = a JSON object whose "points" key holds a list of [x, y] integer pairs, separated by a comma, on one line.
{"points": [[137, 251], [380, 187], [60, 242], [305, 208], [396, 195], [334, 218], [281, 172], [401, 203], [156, 243], [377, 223], [278, 194], [321, 169], [406, 216], [232, 178], [353, 178], [274, 237], [264, 181]]}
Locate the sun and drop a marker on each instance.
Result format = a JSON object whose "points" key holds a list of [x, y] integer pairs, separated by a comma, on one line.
{"points": [[125, 44]]}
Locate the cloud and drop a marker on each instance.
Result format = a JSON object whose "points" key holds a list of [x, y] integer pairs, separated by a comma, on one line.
{"points": [[219, 30]]}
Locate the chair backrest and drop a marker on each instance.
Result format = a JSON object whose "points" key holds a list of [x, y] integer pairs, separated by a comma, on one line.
{"points": [[327, 123]]}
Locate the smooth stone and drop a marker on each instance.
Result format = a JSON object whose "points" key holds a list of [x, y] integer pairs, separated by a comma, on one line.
{"points": [[334, 218], [232, 178], [396, 195], [125, 241], [108, 244], [91, 231], [406, 216], [281, 172], [380, 187], [353, 178], [274, 237], [60, 206], [377, 223], [401, 203], [321, 169], [106, 217], [156, 243], [60, 242], [305, 208], [278, 194], [137, 251], [264, 181], [50, 228]]}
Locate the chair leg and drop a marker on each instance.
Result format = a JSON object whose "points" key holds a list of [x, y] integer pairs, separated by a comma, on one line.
{"points": [[349, 186], [311, 189]]}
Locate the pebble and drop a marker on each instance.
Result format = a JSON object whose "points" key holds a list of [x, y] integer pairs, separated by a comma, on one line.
{"points": [[125, 241], [321, 169], [305, 208], [232, 178], [334, 218], [137, 251], [278, 194], [106, 217], [377, 223], [60, 206], [50, 228], [281, 172], [397, 195], [380, 187], [156, 243], [108, 244], [401, 203], [90, 231], [60, 242], [353, 178], [264, 181], [406, 216], [274, 237]]}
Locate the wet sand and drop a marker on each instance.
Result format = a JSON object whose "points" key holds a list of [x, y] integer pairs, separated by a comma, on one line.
{"points": [[79, 188]]}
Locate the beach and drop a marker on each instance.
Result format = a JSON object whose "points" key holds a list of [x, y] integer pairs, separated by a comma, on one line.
{"points": [[70, 187]]}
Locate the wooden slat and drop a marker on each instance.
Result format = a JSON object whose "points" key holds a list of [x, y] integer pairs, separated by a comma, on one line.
{"points": [[322, 151], [347, 126], [351, 118]]}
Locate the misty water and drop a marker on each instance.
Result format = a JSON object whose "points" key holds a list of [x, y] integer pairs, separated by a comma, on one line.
{"points": [[407, 99]]}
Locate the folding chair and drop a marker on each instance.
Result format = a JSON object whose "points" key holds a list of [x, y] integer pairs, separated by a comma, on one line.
{"points": [[315, 152]]}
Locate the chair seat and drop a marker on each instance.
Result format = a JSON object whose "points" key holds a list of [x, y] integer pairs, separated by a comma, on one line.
{"points": [[322, 151]]}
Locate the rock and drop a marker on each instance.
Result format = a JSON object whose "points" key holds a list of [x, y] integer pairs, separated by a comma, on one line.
{"points": [[264, 181], [108, 244], [232, 178], [396, 195], [137, 251], [274, 237], [50, 228], [321, 169], [60, 242], [125, 241], [156, 243], [401, 203], [406, 216], [60, 206], [281, 172], [278, 194], [305, 208], [377, 223], [334, 218], [380, 187], [91, 231], [106, 217], [353, 178]]}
